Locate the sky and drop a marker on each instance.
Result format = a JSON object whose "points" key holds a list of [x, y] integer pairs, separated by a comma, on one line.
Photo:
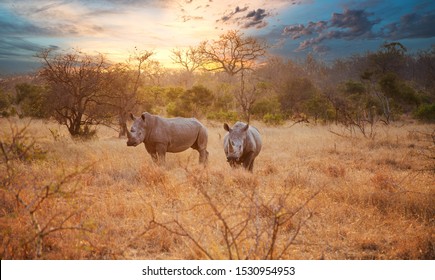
{"points": [[328, 29]]}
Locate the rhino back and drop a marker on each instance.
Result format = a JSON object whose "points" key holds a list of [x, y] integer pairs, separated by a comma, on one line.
{"points": [[178, 133]]}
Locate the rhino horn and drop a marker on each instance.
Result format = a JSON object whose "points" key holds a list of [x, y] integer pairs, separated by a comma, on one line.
{"points": [[230, 147]]}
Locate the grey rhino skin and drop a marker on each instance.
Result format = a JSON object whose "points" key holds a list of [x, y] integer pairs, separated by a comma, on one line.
{"points": [[242, 144], [162, 135]]}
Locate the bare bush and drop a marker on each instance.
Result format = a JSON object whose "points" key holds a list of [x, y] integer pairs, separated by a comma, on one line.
{"points": [[239, 223], [30, 204]]}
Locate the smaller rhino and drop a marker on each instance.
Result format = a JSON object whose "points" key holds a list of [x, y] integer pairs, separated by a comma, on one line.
{"points": [[242, 144]]}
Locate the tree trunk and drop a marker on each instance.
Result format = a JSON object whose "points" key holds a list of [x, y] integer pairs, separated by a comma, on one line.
{"points": [[74, 124], [122, 130]]}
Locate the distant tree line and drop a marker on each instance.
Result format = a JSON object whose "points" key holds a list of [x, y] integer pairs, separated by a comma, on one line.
{"points": [[226, 79]]}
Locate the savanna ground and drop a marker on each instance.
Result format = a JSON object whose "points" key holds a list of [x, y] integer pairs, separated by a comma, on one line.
{"points": [[317, 192]]}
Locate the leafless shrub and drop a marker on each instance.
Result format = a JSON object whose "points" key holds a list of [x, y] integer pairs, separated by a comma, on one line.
{"points": [[19, 145], [32, 203], [240, 224]]}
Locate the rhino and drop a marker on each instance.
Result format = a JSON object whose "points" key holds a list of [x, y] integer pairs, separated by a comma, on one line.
{"points": [[242, 144], [161, 135]]}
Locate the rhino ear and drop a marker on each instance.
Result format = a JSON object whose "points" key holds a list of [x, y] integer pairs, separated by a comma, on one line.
{"points": [[226, 127], [246, 127], [143, 116], [132, 116]]}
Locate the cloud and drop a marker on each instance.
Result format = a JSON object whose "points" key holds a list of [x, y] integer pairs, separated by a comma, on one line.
{"points": [[354, 23], [298, 30], [411, 25], [255, 19], [10, 26], [349, 25], [59, 19], [321, 49], [16, 47], [230, 15], [13, 33], [362, 24]]}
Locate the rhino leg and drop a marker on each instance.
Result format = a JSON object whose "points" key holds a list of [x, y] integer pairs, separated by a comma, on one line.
{"points": [[154, 157], [248, 162], [159, 155], [251, 166], [201, 145], [158, 159], [203, 157]]}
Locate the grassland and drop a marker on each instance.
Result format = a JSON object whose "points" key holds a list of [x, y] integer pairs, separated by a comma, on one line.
{"points": [[314, 194]]}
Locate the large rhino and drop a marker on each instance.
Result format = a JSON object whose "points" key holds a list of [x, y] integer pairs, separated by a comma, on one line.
{"points": [[161, 135], [242, 144]]}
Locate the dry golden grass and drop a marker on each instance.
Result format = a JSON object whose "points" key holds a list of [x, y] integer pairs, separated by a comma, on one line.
{"points": [[313, 195]]}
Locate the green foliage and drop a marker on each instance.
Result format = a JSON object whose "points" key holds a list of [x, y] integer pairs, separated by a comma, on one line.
{"points": [[223, 116], [32, 100], [351, 87], [5, 103], [425, 112], [266, 106], [318, 107], [152, 96], [389, 58], [295, 93], [200, 96], [273, 119], [174, 106], [193, 102], [354, 107], [174, 109], [173, 93], [398, 90], [223, 102]]}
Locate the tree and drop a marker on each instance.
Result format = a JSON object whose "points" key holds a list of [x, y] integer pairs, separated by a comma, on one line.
{"points": [[425, 71], [77, 83], [381, 76], [190, 58], [296, 92], [126, 79], [389, 58], [193, 102], [5, 103], [32, 100], [315, 69], [355, 107], [403, 95], [248, 93], [318, 107], [234, 54]]}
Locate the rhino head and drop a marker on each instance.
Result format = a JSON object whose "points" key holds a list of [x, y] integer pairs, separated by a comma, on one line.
{"points": [[236, 142], [136, 135]]}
